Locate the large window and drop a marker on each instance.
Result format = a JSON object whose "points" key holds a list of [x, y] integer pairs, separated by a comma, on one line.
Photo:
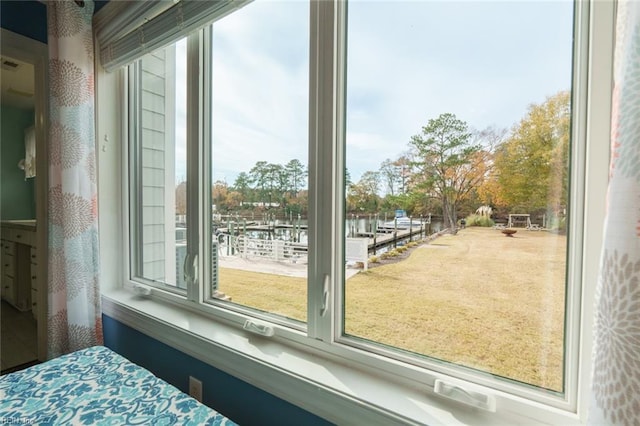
{"points": [[395, 183], [458, 120]]}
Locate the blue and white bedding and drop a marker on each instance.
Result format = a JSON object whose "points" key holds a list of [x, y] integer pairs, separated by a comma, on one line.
{"points": [[97, 386]]}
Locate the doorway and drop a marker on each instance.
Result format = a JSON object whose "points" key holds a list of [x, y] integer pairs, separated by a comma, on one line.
{"points": [[28, 259]]}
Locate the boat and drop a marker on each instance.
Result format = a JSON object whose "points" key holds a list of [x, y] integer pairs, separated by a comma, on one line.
{"points": [[403, 222]]}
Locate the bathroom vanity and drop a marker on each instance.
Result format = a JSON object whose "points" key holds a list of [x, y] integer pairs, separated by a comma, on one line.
{"points": [[19, 275]]}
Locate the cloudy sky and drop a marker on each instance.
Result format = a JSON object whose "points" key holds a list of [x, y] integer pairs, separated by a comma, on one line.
{"points": [[407, 62]]}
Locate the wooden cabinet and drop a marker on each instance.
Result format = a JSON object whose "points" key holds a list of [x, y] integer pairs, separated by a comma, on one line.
{"points": [[18, 273], [34, 281], [8, 271]]}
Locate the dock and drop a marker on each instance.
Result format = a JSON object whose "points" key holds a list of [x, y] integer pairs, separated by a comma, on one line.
{"points": [[383, 237]]}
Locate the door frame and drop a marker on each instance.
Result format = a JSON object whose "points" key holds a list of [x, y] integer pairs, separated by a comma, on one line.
{"points": [[37, 53]]}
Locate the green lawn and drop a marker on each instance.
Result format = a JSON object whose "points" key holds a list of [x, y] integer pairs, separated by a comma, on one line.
{"points": [[478, 299]]}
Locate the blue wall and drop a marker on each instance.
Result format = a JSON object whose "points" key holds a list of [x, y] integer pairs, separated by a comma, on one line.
{"points": [[238, 400], [27, 18], [17, 199]]}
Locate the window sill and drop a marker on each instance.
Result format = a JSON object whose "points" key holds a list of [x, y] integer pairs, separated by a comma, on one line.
{"points": [[333, 390]]}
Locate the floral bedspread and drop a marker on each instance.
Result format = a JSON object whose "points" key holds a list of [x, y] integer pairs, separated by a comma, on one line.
{"points": [[97, 386]]}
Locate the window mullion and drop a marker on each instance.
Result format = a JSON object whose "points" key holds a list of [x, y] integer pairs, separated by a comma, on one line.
{"points": [[322, 171], [205, 147], [193, 261], [135, 184], [339, 210]]}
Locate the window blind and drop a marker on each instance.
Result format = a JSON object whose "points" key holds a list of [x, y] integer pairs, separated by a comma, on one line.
{"points": [[128, 38]]}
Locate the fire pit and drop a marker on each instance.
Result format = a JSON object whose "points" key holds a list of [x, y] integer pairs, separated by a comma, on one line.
{"points": [[509, 232]]}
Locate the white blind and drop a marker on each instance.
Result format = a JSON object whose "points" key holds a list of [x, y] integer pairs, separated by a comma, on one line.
{"points": [[127, 38]]}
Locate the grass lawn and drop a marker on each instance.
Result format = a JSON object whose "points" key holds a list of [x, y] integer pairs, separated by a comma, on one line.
{"points": [[478, 299]]}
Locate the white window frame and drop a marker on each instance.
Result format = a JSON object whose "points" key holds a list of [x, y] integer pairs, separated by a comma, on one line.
{"points": [[214, 333]]}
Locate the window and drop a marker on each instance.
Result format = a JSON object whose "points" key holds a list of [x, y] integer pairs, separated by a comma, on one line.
{"points": [[461, 114], [160, 179], [409, 199], [259, 157]]}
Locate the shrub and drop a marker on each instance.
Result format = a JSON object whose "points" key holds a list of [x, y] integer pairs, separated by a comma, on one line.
{"points": [[374, 259], [393, 253], [477, 220], [401, 249]]}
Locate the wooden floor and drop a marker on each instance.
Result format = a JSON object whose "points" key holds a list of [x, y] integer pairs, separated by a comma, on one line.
{"points": [[18, 336]]}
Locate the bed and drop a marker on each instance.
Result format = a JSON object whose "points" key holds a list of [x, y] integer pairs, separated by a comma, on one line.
{"points": [[97, 386]]}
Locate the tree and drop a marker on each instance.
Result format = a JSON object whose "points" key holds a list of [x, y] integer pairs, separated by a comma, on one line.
{"points": [[486, 192], [532, 164], [259, 179], [242, 186], [181, 198], [296, 176], [389, 175], [363, 196], [219, 193], [276, 182], [394, 175], [370, 181], [445, 159]]}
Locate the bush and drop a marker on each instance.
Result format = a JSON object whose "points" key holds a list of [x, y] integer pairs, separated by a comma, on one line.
{"points": [[477, 220], [401, 249], [374, 259]]}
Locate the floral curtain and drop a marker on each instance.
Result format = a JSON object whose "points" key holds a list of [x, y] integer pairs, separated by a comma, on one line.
{"points": [[74, 315], [616, 371]]}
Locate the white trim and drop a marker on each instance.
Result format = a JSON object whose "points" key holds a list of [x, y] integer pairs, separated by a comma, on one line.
{"points": [[319, 383], [600, 83], [322, 74]]}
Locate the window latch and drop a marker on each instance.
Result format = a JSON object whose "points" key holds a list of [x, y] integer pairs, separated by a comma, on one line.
{"points": [[190, 268], [458, 393], [259, 328], [325, 296]]}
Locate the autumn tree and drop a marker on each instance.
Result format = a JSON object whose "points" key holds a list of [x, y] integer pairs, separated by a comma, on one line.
{"points": [[445, 161], [181, 198], [363, 196], [219, 193], [532, 164], [487, 192]]}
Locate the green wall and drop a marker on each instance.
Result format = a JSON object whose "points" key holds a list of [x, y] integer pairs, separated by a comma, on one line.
{"points": [[17, 194]]}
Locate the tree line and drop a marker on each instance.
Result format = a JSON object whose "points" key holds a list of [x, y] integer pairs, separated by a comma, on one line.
{"points": [[447, 169]]}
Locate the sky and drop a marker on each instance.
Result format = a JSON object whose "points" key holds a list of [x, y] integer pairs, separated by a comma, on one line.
{"points": [[407, 62]]}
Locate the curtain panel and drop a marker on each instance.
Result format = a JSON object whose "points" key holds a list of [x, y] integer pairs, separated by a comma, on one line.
{"points": [[74, 315], [616, 356]]}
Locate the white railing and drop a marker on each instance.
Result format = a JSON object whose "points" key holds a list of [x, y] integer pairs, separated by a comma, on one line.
{"points": [[276, 250]]}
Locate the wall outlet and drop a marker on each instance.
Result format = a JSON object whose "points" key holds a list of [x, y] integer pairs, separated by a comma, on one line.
{"points": [[195, 388]]}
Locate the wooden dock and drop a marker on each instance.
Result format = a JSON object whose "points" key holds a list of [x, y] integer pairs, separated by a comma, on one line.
{"points": [[385, 236], [388, 237]]}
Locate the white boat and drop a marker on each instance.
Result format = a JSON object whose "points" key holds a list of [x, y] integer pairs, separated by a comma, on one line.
{"points": [[402, 223]]}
